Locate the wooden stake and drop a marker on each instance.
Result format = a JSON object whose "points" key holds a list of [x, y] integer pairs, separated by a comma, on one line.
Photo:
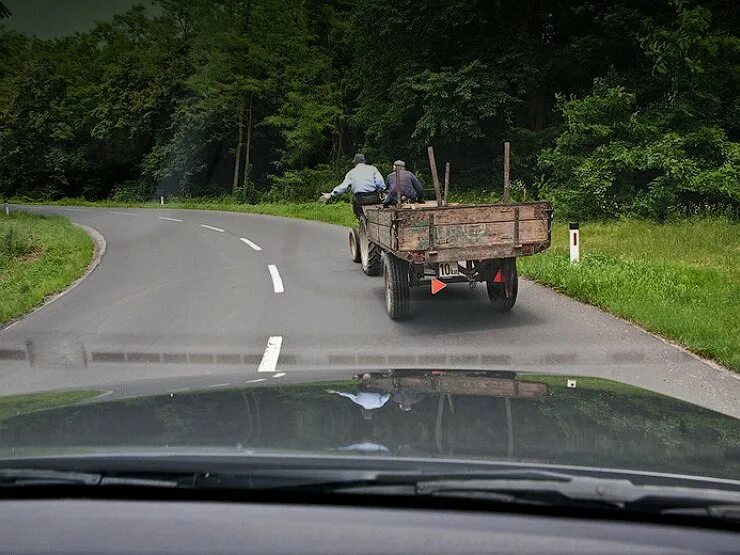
{"points": [[447, 183], [507, 190], [435, 175]]}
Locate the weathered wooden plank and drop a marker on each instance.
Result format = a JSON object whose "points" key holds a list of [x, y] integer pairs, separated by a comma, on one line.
{"points": [[471, 235], [477, 214], [484, 253], [385, 217], [462, 232], [414, 239]]}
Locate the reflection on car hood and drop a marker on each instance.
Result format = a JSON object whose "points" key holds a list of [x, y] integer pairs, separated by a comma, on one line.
{"points": [[424, 414]]}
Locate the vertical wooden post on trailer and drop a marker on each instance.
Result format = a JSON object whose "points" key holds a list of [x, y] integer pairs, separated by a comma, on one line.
{"points": [[396, 216], [447, 183], [435, 175], [507, 188]]}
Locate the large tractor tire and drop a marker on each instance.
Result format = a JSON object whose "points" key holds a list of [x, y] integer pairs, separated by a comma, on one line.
{"points": [[503, 300], [369, 255], [354, 245], [396, 274]]}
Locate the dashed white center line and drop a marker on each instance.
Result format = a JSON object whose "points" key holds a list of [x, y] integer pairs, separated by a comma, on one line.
{"points": [[168, 219], [256, 381], [278, 375], [124, 213], [213, 228], [277, 281], [219, 385], [255, 246], [272, 353]]}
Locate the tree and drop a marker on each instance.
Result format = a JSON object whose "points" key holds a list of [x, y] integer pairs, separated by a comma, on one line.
{"points": [[666, 150]]}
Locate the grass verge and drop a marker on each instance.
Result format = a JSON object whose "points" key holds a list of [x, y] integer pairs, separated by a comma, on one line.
{"points": [[13, 405], [679, 279], [38, 257]]}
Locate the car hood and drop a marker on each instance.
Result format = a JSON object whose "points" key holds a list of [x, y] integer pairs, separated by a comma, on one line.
{"points": [[468, 415]]}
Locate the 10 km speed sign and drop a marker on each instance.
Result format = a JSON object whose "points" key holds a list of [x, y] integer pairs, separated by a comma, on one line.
{"points": [[449, 269]]}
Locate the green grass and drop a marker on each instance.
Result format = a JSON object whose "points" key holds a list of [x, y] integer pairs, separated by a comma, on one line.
{"points": [[679, 279], [38, 257], [13, 405]]}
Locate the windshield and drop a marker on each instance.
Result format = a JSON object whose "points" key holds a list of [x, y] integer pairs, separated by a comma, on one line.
{"points": [[417, 233]]}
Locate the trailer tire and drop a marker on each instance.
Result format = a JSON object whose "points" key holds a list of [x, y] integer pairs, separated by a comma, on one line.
{"points": [[354, 245], [497, 291], [369, 254], [396, 274]]}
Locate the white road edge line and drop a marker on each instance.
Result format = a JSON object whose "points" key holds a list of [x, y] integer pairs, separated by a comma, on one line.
{"points": [[272, 353], [277, 281], [75, 209], [255, 246], [213, 228], [124, 213], [168, 219]]}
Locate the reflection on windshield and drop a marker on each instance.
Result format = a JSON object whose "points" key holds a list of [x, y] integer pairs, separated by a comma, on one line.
{"points": [[490, 415]]}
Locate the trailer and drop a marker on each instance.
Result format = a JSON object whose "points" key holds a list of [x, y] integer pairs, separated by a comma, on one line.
{"points": [[435, 244]]}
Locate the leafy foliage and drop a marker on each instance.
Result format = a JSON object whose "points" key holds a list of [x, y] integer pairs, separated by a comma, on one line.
{"points": [[665, 150], [610, 107]]}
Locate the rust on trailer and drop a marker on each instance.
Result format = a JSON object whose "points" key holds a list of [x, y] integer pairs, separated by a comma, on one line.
{"points": [[460, 232]]}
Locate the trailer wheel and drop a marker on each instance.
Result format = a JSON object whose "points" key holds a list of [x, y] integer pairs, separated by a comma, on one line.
{"points": [[369, 254], [396, 274], [497, 291], [354, 245]]}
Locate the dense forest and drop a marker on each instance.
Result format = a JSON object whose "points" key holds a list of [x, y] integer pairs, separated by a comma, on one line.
{"points": [[615, 106]]}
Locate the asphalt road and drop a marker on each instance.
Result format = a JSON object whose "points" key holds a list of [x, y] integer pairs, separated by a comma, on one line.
{"points": [[181, 296]]}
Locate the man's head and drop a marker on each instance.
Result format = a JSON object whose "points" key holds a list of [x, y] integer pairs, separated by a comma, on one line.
{"points": [[399, 165], [358, 159]]}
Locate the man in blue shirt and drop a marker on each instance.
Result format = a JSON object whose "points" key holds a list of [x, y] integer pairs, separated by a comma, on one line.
{"points": [[410, 186], [364, 180]]}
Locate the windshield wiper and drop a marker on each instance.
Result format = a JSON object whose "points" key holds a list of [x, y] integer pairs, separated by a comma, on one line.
{"points": [[531, 487], [553, 489], [20, 477]]}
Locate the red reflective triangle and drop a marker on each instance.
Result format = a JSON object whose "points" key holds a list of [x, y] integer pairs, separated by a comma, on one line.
{"points": [[499, 278], [437, 286]]}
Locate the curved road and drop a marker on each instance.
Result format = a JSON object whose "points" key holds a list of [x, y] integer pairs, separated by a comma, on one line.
{"points": [[185, 297]]}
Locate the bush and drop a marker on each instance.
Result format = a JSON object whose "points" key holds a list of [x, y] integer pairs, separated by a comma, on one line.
{"points": [[134, 190], [303, 185], [13, 243]]}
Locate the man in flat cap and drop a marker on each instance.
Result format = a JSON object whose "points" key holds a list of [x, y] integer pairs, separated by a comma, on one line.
{"points": [[410, 186], [365, 182]]}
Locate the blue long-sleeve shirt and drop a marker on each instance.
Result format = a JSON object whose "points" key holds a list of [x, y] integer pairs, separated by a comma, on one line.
{"points": [[363, 178]]}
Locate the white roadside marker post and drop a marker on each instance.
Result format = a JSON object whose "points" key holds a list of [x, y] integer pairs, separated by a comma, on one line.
{"points": [[7, 209], [575, 243], [161, 200]]}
